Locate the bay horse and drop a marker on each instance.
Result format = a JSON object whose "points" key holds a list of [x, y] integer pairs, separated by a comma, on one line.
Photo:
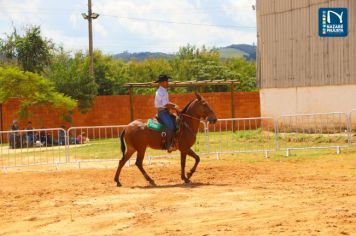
{"points": [[136, 137]]}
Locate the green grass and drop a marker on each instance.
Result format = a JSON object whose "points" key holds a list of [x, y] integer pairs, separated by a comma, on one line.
{"points": [[110, 149], [316, 140]]}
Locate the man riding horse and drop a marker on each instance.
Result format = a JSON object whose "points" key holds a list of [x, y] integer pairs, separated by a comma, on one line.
{"points": [[164, 106], [138, 135]]}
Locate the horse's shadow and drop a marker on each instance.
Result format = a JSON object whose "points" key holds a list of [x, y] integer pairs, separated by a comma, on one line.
{"points": [[182, 185]]}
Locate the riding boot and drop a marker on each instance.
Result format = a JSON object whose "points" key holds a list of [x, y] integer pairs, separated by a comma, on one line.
{"points": [[169, 139]]}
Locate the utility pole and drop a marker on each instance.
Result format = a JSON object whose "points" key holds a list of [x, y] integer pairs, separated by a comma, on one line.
{"points": [[90, 18]]}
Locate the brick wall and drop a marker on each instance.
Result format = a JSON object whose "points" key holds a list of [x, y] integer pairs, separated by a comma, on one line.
{"points": [[115, 110]]}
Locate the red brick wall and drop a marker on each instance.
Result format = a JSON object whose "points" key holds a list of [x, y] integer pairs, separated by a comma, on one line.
{"points": [[115, 110]]}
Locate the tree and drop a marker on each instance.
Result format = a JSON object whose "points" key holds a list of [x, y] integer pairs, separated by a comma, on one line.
{"points": [[103, 65], [32, 89], [31, 51], [70, 77], [200, 64], [243, 71]]}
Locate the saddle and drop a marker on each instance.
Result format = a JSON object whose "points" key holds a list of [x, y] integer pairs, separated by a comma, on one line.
{"points": [[157, 125]]}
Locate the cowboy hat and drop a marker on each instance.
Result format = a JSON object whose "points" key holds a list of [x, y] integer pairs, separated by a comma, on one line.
{"points": [[162, 78]]}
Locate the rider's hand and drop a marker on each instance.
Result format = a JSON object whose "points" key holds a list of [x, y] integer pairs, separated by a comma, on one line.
{"points": [[177, 109]]}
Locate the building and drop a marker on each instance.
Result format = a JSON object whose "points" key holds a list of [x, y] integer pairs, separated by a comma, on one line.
{"points": [[299, 71]]}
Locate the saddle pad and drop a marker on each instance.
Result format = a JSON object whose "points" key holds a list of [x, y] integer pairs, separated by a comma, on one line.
{"points": [[155, 125]]}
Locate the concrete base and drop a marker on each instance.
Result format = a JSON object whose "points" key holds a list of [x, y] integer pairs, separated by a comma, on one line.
{"points": [[284, 101]]}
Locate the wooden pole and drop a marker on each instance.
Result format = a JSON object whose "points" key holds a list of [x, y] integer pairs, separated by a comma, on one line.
{"points": [[1, 119], [131, 104], [232, 105], [90, 29]]}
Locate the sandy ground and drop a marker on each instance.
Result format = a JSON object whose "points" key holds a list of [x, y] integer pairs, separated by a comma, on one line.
{"points": [[300, 196]]}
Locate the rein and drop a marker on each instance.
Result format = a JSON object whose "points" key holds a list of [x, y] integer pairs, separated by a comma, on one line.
{"points": [[183, 123], [194, 118]]}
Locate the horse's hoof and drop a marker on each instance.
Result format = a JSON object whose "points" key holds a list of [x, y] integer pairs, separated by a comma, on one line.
{"points": [[118, 184], [187, 181], [152, 183], [189, 175]]}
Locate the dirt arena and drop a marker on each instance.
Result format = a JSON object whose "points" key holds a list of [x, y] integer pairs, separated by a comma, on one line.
{"points": [[233, 196]]}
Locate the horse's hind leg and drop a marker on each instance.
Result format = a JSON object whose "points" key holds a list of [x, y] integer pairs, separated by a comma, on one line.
{"points": [[139, 164], [122, 162]]}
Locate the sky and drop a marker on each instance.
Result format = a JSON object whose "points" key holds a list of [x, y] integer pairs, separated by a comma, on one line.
{"points": [[135, 25]]}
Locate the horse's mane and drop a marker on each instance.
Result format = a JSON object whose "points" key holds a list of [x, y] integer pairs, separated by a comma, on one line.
{"points": [[187, 106]]}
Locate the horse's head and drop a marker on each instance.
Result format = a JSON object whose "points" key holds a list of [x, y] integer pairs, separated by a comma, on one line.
{"points": [[203, 110]]}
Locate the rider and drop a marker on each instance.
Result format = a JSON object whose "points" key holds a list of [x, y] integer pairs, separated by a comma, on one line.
{"points": [[164, 106]]}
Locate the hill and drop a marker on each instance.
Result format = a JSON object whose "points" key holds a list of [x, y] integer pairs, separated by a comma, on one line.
{"points": [[140, 56], [234, 50], [239, 50]]}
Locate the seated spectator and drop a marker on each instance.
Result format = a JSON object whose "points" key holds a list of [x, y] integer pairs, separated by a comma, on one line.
{"points": [[43, 136], [29, 134], [62, 136], [82, 138], [46, 138], [14, 136]]}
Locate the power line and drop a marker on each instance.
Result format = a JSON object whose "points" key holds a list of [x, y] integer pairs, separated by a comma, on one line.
{"points": [[190, 10], [70, 11], [180, 23]]}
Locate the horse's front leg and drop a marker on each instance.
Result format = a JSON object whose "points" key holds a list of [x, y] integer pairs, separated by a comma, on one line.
{"points": [[183, 157], [197, 160]]}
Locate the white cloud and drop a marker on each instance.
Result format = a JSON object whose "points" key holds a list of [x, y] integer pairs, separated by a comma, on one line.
{"points": [[74, 18], [113, 34], [68, 42], [18, 12], [241, 12], [99, 28], [174, 35]]}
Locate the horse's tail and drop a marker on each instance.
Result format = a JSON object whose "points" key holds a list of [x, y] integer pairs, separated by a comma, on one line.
{"points": [[123, 145]]}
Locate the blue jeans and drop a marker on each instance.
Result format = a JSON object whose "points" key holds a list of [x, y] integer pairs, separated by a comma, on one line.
{"points": [[29, 138], [167, 120]]}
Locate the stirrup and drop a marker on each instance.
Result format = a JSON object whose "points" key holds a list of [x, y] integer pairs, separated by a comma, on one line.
{"points": [[172, 148]]}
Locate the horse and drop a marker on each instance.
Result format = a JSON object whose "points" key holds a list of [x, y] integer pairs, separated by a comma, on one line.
{"points": [[136, 137]]}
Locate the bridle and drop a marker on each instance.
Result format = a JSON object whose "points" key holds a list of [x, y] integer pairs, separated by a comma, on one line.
{"points": [[186, 115], [185, 124]]}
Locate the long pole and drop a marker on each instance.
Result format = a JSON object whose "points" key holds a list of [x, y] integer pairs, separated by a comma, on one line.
{"points": [[232, 98], [91, 57], [1, 119], [131, 104]]}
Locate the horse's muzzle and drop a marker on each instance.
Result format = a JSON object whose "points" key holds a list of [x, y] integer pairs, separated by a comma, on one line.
{"points": [[212, 120]]}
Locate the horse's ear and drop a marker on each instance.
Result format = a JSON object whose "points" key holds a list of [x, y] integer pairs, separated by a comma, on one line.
{"points": [[198, 96]]}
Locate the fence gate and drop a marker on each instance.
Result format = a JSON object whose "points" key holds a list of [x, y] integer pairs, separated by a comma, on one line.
{"points": [[313, 131], [33, 147], [242, 135], [94, 143], [352, 137]]}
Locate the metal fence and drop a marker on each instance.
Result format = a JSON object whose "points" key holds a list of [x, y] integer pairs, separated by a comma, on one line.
{"points": [[236, 135], [94, 143], [242, 135], [352, 123], [313, 131], [101, 143], [33, 147]]}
